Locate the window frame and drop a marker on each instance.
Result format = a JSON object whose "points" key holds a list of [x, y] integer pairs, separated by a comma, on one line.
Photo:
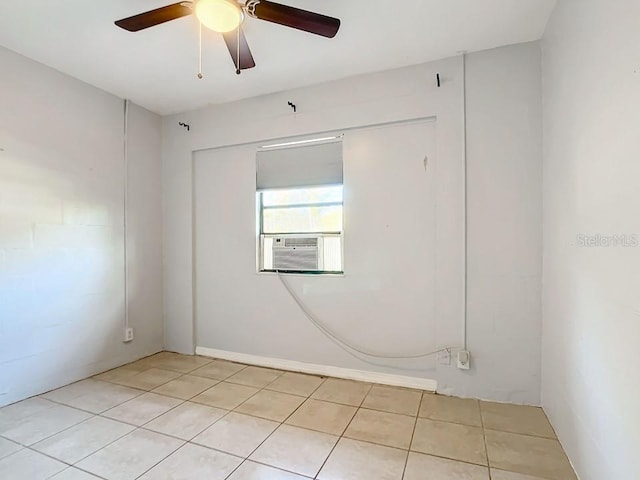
{"points": [[261, 233]]}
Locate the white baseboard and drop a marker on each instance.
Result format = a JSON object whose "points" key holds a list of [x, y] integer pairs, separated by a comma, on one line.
{"points": [[324, 370]]}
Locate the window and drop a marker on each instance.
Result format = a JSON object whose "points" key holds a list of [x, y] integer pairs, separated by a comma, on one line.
{"points": [[299, 199], [301, 229]]}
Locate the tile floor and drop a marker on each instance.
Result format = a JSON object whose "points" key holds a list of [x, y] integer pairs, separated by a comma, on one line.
{"points": [[172, 416]]}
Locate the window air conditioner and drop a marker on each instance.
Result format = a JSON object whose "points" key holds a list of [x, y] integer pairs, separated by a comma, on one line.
{"points": [[299, 253]]}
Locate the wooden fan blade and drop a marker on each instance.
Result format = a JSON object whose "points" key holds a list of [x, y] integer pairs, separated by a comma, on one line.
{"points": [[155, 17], [246, 58], [294, 17]]}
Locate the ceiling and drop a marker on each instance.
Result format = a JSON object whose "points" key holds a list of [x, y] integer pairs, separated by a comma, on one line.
{"points": [[157, 68]]}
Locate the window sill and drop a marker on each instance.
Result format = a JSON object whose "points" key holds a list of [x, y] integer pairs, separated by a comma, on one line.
{"points": [[302, 274]]}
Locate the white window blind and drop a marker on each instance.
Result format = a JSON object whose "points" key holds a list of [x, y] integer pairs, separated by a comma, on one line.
{"points": [[303, 166]]}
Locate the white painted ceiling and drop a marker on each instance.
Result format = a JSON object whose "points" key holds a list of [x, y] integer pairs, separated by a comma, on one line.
{"points": [[156, 68]]}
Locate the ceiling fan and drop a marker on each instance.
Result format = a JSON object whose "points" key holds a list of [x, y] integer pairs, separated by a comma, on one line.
{"points": [[226, 17]]}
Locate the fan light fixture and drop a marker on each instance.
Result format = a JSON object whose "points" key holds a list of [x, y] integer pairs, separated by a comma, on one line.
{"points": [[219, 15]]}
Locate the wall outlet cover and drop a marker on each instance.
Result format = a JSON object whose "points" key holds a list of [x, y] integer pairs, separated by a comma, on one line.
{"points": [[128, 334], [464, 360]]}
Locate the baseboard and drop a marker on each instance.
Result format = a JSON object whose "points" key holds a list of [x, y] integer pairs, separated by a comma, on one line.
{"points": [[324, 370]]}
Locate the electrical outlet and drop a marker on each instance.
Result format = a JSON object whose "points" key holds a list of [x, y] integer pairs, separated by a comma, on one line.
{"points": [[464, 360], [444, 357], [128, 334]]}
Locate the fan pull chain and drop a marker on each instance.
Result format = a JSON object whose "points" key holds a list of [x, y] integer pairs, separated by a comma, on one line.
{"points": [[200, 74], [238, 71]]}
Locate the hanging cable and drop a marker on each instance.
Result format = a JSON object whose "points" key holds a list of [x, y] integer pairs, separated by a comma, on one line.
{"points": [[238, 71], [200, 74], [345, 345]]}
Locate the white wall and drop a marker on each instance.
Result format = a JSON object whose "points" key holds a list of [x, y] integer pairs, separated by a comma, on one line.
{"points": [[591, 304], [385, 302], [505, 215], [395, 96], [61, 230]]}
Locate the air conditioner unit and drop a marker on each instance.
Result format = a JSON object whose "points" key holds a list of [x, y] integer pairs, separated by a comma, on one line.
{"points": [[297, 253]]}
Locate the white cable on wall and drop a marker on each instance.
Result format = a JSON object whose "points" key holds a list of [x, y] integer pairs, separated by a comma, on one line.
{"points": [[125, 201], [465, 202], [344, 344]]}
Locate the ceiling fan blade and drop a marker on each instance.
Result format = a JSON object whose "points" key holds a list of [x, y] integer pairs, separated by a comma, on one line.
{"points": [[155, 17], [293, 17], [246, 58]]}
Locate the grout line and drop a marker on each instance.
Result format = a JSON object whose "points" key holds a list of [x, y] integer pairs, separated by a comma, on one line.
{"points": [[457, 460], [142, 392], [278, 468], [190, 440], [484, 440], [522, 434], [163, 459], [364, 397], [61, 431], [413, 432], [234, 470]]}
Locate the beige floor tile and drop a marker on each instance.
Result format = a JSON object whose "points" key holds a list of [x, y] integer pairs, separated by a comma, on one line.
{"points": [[450, 409], [384, 428], [176, 362], [77, 442], [185, 387], [13, 415], [121, 373], [542, 457], [355, 460], [186, 420], [237, 434], [27, 464], [148, 379], [271, 405], [43, 424], [7, 447], [296, 384], [442, 469], [450, 440], [130, 456], [152, 361], [322, 416], [296, 450], [342, 391], [254, 471], [74, 390], [502, 475], [142, 409], [393, 400], [193, 462], [255, 376], [225, 395], [93, 395], [219, 370], [73, 473], [516, 419]]}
